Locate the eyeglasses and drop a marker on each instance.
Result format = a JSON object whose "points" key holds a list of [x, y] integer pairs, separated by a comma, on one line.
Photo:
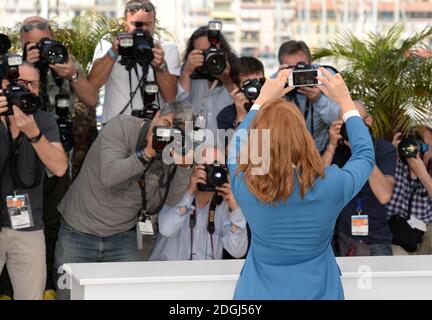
{"points": [[28, 27], [134, 7], [35, 83]]}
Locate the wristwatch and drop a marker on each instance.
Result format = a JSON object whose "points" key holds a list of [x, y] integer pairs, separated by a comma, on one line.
{"points": [[74, 79], [37, 138], [142, 157]]}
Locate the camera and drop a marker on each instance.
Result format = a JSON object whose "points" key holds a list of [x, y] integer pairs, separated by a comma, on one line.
{"points": [[252, 89], [64, 122], [15, 93], [217, 175], [5, 44], [411, 145], [18, 95], [151, 91], [51, 52], [136, 47], [214, 58], [304, 75], [163, 136]]}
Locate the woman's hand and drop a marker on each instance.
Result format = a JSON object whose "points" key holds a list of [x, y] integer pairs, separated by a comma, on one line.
{"points": [[275, 88], [199, 175], [334, 87]]}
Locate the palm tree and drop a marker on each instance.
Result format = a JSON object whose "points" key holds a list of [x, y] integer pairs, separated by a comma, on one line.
{"points": [[395, 85]]}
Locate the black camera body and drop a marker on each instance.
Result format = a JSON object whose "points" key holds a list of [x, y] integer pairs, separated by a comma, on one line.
{"points": [[214, 58], [16, 94], [52, 52], [151, 91], [163, 136], [136, 47], [64, 122], [217, 175], [251, 89], [412, 145], [5, 44]]}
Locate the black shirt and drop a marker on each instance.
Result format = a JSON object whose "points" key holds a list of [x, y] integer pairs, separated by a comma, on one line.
{"points": [[379, 231], [226, 118], [26, 166]]}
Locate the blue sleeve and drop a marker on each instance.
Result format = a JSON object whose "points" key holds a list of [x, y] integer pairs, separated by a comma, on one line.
{"points": [[386, 158], [359, 167], [171, 219], [327, 109], [239, 140]]}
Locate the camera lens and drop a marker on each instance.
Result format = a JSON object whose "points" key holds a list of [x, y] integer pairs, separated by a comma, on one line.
{"points": [[57, 54], [408, 148], [217, 176], [144, 54], [216, 63], [28, 103]]}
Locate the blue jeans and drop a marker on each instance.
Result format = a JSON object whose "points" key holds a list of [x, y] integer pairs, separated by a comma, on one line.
{"points": [[378, 249], [74, 246]]}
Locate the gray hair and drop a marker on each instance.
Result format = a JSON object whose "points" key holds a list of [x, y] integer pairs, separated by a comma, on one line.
{"points": [[183, 111]]}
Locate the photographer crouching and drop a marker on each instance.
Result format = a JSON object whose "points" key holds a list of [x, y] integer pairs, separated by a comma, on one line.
{"points": [[410, 207], [30, 143], [123, 181], [207, 219]]}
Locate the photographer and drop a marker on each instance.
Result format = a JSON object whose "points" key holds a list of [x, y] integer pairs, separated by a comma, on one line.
{"points": [[125, 90], [318, 110], [111, 196], [248, 75], [29, 144], [62, 84], [200, 226], [410, 208], [205, 79], [5, 45], [362, 227]]}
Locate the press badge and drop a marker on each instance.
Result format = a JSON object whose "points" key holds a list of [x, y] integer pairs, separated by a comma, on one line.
{"points": [[144, 228], [360, 225], [19, 210]]}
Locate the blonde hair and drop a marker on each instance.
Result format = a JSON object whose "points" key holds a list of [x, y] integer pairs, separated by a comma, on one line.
{"points": [[291, 145]]}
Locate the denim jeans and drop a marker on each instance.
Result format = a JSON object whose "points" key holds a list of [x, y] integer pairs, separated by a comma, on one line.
{"points": [[74, 246], [378, 249]]}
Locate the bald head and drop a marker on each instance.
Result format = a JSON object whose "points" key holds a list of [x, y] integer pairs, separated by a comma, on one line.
{"points": [[34, 29]]}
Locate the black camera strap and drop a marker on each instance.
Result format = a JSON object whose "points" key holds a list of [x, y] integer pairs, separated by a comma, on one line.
{"points": [[13, 162], [215, 201]]}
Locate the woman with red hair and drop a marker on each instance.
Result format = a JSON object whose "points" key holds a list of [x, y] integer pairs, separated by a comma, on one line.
{"points": [[292, 202]]}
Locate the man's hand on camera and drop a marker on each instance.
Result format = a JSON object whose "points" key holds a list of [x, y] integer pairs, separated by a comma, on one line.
{"points": [[418, 166], [275, 88], [194, 60], [33, 55], [334, 135], [226, 193], [312, 93], [115, 45], [159, 56], [26, 123], [65, 71], [199, 175], [3, 103], [239, 101]]}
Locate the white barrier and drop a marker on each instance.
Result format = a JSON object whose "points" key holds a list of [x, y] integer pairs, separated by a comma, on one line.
{"points": [[397, 277]]}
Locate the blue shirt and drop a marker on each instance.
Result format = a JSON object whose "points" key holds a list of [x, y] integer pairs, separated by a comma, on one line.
{"points": [[290, 256], [174, 239]]}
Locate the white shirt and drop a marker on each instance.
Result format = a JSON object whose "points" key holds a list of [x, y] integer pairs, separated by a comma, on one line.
{"points": [[117, 89], [174, 240]]}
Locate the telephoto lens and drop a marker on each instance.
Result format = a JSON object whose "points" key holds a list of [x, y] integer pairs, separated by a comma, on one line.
{"points": [[18, 95]]}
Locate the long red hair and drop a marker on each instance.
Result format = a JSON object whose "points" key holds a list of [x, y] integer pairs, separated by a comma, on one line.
{"points": [[291, 145]]}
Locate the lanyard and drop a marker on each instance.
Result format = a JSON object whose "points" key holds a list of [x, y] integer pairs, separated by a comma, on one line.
{"points": [[210, 223]]}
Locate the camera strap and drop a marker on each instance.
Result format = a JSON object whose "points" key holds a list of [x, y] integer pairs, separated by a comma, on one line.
{"points": [[215, 201], [133, 93], [13, 162]]}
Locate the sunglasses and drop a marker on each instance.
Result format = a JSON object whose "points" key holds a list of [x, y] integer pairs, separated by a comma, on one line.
{"points": [[135, 7], [38, 25]]}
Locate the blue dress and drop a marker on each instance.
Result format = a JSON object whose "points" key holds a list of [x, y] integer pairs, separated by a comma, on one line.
{"points": [[290, 256]]}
